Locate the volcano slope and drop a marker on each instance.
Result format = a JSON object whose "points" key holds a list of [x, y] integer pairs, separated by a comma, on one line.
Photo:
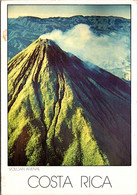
{"points": [[61, 113]]}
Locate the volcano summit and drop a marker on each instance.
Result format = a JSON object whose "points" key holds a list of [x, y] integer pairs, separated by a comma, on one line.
{"points": [[62, 113]]}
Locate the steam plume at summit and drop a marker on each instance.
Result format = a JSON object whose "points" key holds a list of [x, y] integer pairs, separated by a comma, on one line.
{"points": [[106, 51]]}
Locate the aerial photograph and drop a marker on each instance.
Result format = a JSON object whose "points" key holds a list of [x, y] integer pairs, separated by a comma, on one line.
{"points": [[69, 85]]}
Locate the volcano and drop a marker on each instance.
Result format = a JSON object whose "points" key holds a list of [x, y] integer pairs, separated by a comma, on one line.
{"points": [[62, 113]]}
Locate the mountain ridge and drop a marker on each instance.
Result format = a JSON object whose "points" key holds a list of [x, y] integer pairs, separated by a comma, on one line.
{"points": [[99, 25], [58, 109], [119, 17]]}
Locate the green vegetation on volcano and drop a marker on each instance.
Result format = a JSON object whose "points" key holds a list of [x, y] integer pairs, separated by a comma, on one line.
{"points": [[47, 122]]}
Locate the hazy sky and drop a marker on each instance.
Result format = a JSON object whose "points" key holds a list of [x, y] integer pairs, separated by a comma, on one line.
{"points": [[45, 11]]}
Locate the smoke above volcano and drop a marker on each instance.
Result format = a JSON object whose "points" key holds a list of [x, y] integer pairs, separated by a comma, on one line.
{"points": [[107, 51]]}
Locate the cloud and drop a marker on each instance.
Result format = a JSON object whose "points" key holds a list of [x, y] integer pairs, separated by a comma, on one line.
{"points": [[107, 51]]}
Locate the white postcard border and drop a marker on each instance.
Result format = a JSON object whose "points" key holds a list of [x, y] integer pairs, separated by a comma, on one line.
{"points": [[15, 179]]}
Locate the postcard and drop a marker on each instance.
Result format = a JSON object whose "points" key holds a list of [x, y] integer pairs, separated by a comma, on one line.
{"points": [[68, 97]]}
